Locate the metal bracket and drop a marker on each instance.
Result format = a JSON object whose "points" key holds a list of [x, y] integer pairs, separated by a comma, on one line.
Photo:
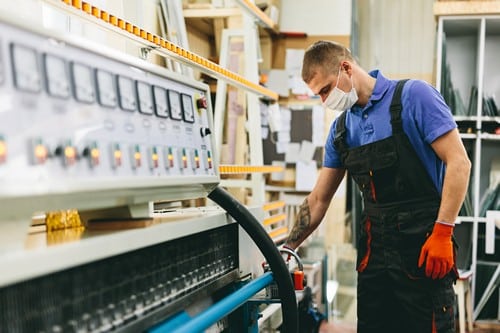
{"points": [[145, 51]]}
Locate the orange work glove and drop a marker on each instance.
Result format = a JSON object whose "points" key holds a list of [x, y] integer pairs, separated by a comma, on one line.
{"points": [[438, 249]]}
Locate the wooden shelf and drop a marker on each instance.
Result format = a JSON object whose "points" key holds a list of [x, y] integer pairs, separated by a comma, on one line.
{"points": [[209, 19], [261, 18], [450, 8]]}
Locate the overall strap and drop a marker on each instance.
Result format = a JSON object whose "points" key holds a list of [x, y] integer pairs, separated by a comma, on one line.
{"points": [[340, 133], [396, 107], [395, 110]]}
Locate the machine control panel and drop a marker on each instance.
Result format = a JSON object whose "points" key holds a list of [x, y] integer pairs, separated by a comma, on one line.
{"points": [[79, 118]]}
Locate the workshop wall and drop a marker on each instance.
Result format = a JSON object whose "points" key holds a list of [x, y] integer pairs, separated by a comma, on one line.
{"points": [[397, 37]]}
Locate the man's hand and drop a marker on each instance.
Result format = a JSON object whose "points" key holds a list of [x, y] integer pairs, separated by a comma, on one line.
{"points": [[437, 251]]}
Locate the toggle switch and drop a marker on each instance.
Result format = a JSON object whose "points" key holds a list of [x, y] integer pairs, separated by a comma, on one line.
{"points": [[184, 159], [92, 153], [39, 152], [136, 156], [196, 159], [67, 152], [169, 163], [3, 150], [204, 131], [116, 156], [209, 160], [153, 158], [201, 103]]}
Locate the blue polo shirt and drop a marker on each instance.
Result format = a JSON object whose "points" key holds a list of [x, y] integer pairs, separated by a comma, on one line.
{"points": [[425, 118]]}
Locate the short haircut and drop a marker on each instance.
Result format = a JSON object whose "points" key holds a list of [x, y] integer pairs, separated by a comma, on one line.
{"points": [[323, 56]]}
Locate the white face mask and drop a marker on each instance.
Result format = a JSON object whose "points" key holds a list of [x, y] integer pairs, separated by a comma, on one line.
{"points": [[340, 100]]}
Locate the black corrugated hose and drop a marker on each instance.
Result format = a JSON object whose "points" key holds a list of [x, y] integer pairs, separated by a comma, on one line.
{"points": [[273, 257]]}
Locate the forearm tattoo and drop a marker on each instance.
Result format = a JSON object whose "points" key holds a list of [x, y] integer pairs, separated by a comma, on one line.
{"points": [[302, 225]]}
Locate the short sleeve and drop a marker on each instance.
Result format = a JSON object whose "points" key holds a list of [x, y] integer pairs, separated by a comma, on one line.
{"points": [[432, 116], [332, 157]]}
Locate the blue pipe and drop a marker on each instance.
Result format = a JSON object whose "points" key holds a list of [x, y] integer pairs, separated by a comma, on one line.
{"points": [[220, 309]]}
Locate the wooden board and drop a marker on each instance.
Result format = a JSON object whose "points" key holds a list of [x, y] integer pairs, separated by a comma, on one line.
{"points": [[444, 8]]}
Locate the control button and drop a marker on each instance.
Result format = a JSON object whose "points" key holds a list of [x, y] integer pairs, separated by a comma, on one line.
{"points": [[153, 158], [93, 154], [40, 152], [27, 76], [201, 103], [204, 131], [196, 164], [209, 160], [3, 150], [184, 159], [136, 156], [116, 156], [169, 154], [68, 153]]}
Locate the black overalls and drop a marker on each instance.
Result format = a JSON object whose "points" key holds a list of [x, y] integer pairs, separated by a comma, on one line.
{"points": [[400, 208]]}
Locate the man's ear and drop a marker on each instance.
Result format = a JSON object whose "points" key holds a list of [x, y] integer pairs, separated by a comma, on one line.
{"points": [[346, 66]]}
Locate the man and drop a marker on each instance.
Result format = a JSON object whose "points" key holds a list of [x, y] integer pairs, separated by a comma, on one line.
{"points": [[400, 144]]}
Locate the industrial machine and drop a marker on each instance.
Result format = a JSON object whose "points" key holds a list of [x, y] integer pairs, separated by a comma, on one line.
{"points": [[86, 128]]}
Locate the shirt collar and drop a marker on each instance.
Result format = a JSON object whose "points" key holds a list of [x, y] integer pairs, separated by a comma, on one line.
{"points": [[382, 84]]}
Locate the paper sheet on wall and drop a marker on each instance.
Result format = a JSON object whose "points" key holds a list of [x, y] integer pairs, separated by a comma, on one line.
{"points": [[299, 87], [278, 82], [264, 132], [293, 61], [281, 147], [306, 152], [286, 119], [292, 152], [306, 174], [293, 67], [284, 136]]}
